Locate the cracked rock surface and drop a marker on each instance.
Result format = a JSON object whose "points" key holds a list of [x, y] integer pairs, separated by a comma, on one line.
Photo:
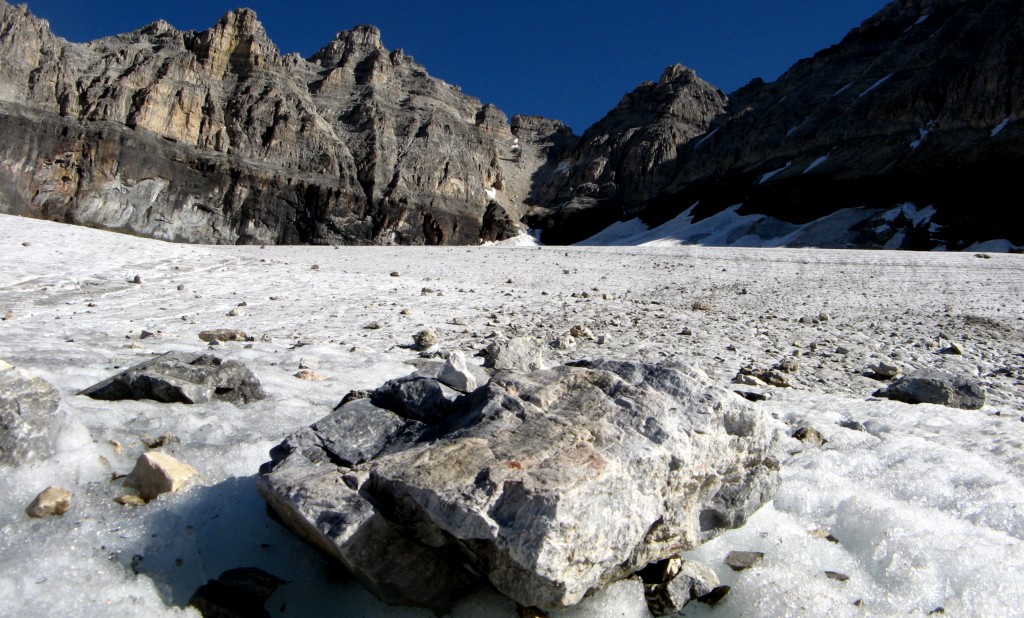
{"points": [[548, 484]]}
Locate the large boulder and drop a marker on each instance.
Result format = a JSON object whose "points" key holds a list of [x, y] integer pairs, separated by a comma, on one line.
{"points": [[931, 386], [29, 421], [177, 377], [548, 484]]}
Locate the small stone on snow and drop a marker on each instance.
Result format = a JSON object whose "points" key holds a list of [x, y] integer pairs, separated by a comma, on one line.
{"points": [[742, 560], [51, 501], [157, 473]]}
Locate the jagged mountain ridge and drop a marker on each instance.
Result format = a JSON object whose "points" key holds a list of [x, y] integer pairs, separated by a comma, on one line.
{"points": [[626, 158], [921, 104], [215, 137]]}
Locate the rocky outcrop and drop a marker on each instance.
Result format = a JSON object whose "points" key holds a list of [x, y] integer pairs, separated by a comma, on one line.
{"points": [[628, 157], [920, 105], [911, 126], [215, 137], [547, 484], [29, 420]]}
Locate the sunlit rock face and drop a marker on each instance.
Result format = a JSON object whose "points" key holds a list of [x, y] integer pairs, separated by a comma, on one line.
{"points": [[549, 484], [215, 137]]}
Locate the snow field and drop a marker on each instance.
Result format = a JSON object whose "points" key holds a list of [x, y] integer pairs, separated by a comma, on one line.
{"points": [[926, 504]]}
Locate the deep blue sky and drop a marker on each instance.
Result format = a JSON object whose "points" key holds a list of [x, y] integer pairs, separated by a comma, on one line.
{"points": [[567, 60]]}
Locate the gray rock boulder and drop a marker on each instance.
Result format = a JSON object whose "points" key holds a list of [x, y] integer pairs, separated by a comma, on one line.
{"points": [[516, 354], [29, 421], [547, 484], [353, 433], [177, 377], [415, 397], [931, 386]]}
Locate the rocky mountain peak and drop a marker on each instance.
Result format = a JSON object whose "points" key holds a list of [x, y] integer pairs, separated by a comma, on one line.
{"points": [[349, 47], [676, 73], [679, 94], [624, 159], [158, 28], [214, 137], [238, 43]]}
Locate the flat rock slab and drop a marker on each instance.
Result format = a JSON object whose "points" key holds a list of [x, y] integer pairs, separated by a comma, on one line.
{"points": [[29, 421], [547, 484], [177, 377], [930, 386]]}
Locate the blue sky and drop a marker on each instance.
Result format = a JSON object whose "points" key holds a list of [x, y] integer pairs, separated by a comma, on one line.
{"points": [[567, 60]]}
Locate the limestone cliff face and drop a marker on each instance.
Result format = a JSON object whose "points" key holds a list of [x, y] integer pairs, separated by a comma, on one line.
{"points": [[215, 137]]}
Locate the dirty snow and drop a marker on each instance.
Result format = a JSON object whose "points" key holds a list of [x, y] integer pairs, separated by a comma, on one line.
{"points": [[925, 504]]}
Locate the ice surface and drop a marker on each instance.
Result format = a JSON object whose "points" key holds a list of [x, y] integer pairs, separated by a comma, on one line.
{"points": [[926, 504]]}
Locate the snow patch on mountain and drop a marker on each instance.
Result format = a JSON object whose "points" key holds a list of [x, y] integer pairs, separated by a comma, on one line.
{"points": [[875, 85], [999, 127], [816, 163], [729, 228], [772, 174]]}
